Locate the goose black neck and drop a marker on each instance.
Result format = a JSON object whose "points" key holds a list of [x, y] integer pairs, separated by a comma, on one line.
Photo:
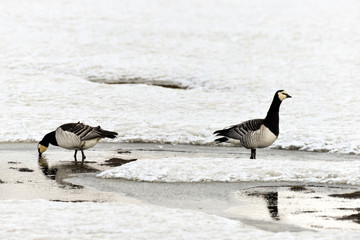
{"points": [[49, 138], [272, 118]]}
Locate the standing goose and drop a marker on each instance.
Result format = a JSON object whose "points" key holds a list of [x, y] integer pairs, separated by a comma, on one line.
{"points": [[256, 133], [74, 136]]}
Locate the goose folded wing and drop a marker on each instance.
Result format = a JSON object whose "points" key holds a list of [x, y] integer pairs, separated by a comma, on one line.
{"points": [[240, 130], [94, 133], [71, 127], [82, 131]]}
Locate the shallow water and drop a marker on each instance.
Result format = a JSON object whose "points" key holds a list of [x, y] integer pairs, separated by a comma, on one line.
{"points": [[53, 194], [225, 58]]}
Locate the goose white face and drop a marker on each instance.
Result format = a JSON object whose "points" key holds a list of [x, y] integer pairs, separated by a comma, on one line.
{"points": [[282, 95]]}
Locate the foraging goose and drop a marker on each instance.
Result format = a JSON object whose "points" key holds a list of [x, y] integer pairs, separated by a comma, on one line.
{"points": [[256, 133], [74, 136]]}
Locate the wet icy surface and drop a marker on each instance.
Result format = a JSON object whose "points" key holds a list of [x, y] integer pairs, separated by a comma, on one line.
{"points": [[64, 196]]}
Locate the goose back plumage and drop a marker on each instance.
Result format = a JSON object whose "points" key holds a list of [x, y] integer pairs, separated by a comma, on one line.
{"points": [[80, 136], [238, 131], [251, 134]]}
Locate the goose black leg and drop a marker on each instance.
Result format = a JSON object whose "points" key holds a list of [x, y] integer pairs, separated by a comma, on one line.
{"points": [[253, 154], [75, 155], [83, 155]]}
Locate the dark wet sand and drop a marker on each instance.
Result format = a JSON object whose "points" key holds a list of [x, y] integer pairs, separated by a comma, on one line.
{"points": [[273, 206]]}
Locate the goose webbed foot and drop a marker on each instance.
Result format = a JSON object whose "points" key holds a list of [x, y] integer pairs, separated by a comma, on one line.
{"points": [[83, 155]]}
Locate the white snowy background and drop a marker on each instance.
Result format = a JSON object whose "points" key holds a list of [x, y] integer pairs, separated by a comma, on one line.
{"points": [[232, 56]]}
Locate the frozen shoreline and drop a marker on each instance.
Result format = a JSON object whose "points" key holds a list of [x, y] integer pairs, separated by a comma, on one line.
{"points": [[25, 180]]}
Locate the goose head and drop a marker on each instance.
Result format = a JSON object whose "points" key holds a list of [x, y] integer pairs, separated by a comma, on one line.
{"points": [[42, 148], [281, 94]]}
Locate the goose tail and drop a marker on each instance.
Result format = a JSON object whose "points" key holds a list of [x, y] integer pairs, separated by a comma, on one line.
{"points": [[109, 134], [220, 132], [222, 139], [222, 135]]}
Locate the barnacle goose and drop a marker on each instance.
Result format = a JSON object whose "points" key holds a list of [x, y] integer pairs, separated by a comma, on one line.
{"points": [[74, 136], [256, 133]]}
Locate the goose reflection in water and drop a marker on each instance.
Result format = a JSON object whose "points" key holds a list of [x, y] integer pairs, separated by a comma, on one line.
{"points": [[271, 199], [59, 172]]}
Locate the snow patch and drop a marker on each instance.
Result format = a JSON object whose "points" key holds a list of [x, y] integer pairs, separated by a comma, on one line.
{"points": [[233, 170]]}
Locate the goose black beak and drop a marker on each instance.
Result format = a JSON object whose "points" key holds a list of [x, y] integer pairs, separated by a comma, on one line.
{"points": [[288, 96]]}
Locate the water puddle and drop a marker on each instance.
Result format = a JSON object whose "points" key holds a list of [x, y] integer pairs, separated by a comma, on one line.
{"points": [[61, 171], [116, 162], [23, 169], [72, 201], [306, 206], [139, 80], [64, 170], [352, 195]]}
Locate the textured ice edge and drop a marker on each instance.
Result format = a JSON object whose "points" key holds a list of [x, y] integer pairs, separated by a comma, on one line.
{"points": [[350, 148], [234, 170]]}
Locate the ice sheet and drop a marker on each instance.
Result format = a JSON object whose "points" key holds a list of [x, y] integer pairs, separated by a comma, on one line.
{"points": [[233, 170], [41, 219]]}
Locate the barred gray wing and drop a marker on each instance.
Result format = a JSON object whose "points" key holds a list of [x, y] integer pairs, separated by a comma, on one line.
{"points": [[83, 131], [240, 130]]}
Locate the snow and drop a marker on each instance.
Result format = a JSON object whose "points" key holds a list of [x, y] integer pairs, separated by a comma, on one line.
{"points": [[233, 56], [41, 219], [179, 169]]}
